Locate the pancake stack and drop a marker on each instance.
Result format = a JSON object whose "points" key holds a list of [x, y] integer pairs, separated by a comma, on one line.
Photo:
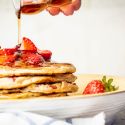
{"points": [[26, 71], [52, 79]]}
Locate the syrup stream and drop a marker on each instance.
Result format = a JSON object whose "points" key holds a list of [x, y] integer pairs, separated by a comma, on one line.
{"points": [[19, 30]]}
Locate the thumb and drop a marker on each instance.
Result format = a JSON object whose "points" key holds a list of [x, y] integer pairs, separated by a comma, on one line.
{"points": [[76, 4]]}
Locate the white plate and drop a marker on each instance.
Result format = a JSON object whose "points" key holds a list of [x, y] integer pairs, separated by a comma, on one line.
{"points": [[75, 105]]}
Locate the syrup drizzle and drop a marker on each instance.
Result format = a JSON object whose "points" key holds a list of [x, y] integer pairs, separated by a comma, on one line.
{"points": [[19, 27]]}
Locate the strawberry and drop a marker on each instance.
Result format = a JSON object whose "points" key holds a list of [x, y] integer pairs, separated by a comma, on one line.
{"points": [[7, 59], [7, 51], [31, 58], [2, 59], [27, 44], [10, 51], [10, 59], [94, 87], [27, 51], [98, 86], [46, 54], [2, 52], [7, 56]]}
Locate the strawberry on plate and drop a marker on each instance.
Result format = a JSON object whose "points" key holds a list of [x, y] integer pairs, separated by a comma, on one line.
{"points": [[46, 54], [99, 86], [27, 44], [94, 87]]}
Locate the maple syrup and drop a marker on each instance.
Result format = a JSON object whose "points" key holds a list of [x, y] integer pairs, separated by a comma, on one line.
{"points": [[33, 8], [19, 25], [58, 3]]}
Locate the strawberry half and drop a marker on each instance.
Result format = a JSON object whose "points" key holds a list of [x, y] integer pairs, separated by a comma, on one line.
{"points": [[46, 54], [27, 44]]}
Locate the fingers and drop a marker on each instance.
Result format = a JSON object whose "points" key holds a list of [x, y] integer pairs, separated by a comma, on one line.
{"points": [[67, 10], [76, 4], [27, 1], [53, 10]]}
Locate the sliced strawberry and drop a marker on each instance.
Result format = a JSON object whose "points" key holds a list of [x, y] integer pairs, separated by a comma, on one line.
{"points": [[27, 44], [27, 51], [46, 54], [7, 59], [7, 51], [10, 59], [2, 52], [2, 59], [31, 58]]}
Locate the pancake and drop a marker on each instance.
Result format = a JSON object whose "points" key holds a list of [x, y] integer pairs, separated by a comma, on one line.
{"points": [[51, 88], [29, 95], [60, 87], [19, 82], [46, 69]]}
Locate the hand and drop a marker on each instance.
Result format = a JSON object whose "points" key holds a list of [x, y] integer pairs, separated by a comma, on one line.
{"points": [[67, 10]]}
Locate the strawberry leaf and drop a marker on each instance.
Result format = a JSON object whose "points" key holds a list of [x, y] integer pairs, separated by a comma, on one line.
{"points": [[110, 81], [104, 79], [108, 84]]}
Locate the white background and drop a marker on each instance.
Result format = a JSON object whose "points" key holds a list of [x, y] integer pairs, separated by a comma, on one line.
{"points": [[93, 39]]}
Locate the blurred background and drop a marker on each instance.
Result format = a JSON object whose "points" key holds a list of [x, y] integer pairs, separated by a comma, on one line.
{"points": [[93, 39]]}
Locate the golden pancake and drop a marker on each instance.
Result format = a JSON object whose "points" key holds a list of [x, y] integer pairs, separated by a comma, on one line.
{"points": [[51, 88], [61, 87], [29, 95], [19, 82], [46, 69]]}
